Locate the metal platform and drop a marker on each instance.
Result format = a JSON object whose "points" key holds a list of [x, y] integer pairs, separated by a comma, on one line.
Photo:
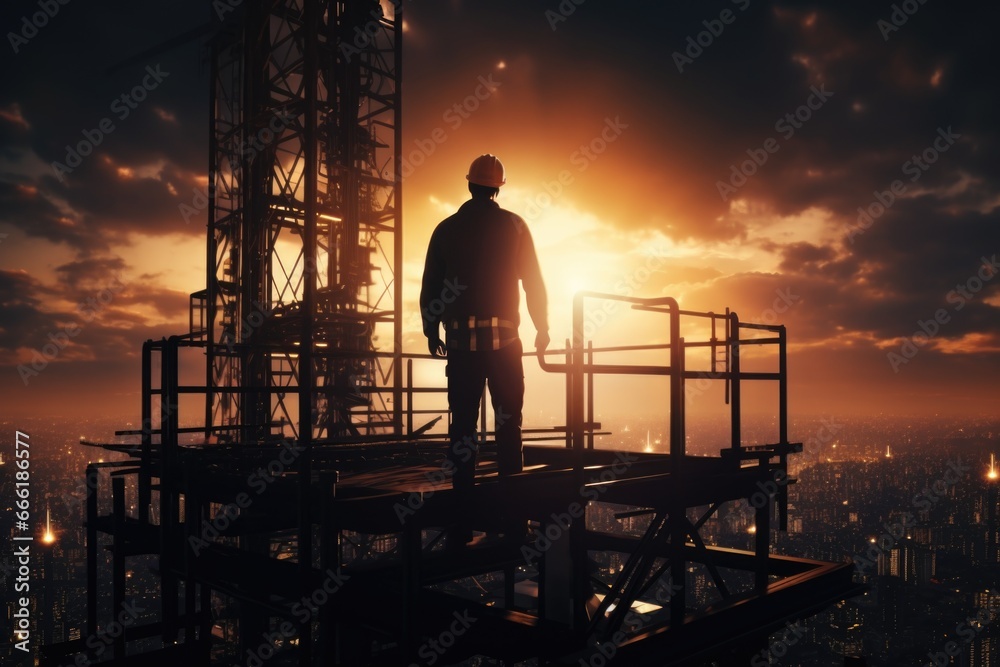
{"points": [[382, 573], [396, 593]]}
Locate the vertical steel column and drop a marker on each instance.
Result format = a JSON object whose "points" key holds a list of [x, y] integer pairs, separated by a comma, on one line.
{"points": [[736, 437], [254, 247], [397, 240], [227, 219], [118, 560], [590, 395], [192, 520], [676, 509], [169, 503], [329, 561], [677, 445], [409, 397], [782, 385], [91, 550], [576, 370], [311, 19], [145, 463], [211, 247], [783, 424], [569, 577], [569, 396]]}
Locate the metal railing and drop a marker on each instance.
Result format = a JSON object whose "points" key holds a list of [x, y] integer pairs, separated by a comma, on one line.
{"points": [[580, 368]]}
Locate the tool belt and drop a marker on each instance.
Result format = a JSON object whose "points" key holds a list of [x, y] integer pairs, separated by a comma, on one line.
{"points": [[481, 333]]}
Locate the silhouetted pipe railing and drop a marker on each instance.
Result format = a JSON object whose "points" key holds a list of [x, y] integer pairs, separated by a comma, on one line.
{"points": [[580, 367]]}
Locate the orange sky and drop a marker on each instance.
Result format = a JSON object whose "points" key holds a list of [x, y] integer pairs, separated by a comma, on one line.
{"points": [[613, 157]]}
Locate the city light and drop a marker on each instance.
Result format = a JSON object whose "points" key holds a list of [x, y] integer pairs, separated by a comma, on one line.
{"points": [[48, 537], [992, 473]]}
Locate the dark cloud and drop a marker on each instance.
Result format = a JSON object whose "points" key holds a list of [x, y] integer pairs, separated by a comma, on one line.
{"points": [[24, 206], [171, 305], [64, 96], [83, 273], [21, 319], [803, 255], [89, 278], [92, 303], [14, 132]]}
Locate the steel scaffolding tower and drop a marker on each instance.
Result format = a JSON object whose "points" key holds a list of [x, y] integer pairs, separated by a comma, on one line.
{"points": [[304, 244]]}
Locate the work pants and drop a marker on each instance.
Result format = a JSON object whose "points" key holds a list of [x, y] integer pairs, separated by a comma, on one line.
{"points": [[468, 374]]}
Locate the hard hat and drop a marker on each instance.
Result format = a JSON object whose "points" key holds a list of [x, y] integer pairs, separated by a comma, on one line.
{"points": [[486, 170]]}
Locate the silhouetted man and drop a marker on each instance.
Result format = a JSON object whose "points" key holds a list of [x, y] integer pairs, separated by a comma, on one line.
{"points": [[475, 260]]}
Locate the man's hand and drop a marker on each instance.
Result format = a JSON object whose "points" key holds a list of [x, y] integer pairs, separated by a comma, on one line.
{"points": [[436, 347], [541, 341]]}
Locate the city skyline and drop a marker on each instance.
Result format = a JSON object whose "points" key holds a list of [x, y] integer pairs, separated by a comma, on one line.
{"points": [[839, 509]]}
